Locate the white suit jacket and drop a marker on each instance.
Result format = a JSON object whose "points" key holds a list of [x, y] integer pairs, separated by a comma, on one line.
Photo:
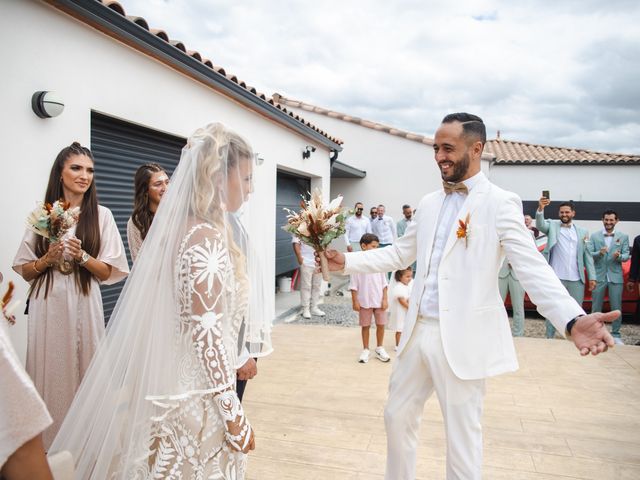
{"points": [[474, 325]]}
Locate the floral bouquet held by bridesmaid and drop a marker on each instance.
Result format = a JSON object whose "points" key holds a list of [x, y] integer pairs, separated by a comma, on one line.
{"points": [[53, 222], [317, 225]]}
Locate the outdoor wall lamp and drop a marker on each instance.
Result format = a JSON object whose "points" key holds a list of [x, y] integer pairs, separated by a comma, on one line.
{"points": [[47, 104], [306, 153], [259, 159]]}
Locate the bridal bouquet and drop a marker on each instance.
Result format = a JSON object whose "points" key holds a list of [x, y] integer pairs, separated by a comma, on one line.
{"points": [[53, 222], [317, 225]]}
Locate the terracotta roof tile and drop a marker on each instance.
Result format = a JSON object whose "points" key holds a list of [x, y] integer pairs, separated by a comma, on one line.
{"points": [[509, 152], [348, 118], [141, 22]]}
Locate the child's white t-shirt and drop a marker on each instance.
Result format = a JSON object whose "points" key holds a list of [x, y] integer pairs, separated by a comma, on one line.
{"points": [[397, 312]]}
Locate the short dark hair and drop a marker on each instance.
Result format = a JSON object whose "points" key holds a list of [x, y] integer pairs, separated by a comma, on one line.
{"points": [[406, 206], [368, 238], [472, 125], [610, 212], [358, 203], [399, 273], [568, 204]]}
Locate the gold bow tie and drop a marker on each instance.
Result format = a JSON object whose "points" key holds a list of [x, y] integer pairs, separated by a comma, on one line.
{"points": [[455, 187]]}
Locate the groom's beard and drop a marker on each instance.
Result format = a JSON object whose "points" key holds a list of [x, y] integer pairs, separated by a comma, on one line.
{"points": [[460, 169]]}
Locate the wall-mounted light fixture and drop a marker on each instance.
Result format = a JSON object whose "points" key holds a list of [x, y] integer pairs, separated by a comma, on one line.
{"points": [[259, 159], [47, 104], [306, 153]]}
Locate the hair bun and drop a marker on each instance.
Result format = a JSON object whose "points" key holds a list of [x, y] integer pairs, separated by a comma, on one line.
{"points": [[76, 144]]}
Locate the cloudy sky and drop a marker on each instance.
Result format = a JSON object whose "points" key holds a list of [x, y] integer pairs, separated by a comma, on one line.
{"points": [[555, 72]]}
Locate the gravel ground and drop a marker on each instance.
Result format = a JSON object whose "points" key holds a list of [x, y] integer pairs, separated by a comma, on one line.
{"points": [[339, 313]]}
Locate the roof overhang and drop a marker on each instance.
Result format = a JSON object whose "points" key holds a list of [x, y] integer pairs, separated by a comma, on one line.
{"points": [[342, 170], [122, 29]]}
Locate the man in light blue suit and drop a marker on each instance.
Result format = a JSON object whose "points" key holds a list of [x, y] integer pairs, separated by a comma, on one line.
{"points": [[508, 283], [609, 249], [566, 251]]}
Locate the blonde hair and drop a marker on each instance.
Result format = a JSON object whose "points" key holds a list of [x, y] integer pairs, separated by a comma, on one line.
{"points": [[218, 151]]}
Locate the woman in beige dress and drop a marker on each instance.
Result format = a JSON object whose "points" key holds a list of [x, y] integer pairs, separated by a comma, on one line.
{"points": [[66, 320], [159, 399], [150, 181]]}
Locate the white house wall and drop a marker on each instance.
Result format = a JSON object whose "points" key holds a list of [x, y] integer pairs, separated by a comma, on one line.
{"points": [[581, 183], [44, 49], [398, 170]]}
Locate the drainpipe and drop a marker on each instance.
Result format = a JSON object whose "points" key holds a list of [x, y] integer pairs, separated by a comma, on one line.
{"points": [[333, 156]]}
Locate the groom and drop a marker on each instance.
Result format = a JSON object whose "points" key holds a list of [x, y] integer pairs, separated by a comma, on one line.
{"points": [[457, 332]]}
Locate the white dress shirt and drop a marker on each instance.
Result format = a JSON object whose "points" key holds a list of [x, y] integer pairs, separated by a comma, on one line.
{"points": [[429, 304], [385, 229], [608, 239], [356, 227], [564, 254]]}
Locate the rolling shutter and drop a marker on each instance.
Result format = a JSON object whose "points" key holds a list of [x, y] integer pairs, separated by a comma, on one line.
{"points": [[119, 149], [290, 189]]}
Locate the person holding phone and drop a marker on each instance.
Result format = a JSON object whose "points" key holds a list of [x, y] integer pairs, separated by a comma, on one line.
{"points": [[609, 249], [567, 251]]}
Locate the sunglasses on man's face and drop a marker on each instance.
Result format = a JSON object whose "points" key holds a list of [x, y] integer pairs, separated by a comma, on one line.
{"points": [[359, 209]]}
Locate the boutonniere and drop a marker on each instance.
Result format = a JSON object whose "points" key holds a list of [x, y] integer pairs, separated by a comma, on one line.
{"points": [[586, 239], [617, 241], [463, 230]]}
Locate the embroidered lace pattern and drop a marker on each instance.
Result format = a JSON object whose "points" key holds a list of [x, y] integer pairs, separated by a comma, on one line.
{"points": [[199, 432]]}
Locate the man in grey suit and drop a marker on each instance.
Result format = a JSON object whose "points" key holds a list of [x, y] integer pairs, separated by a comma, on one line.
{"points": [[566, 251], [609, 249]]}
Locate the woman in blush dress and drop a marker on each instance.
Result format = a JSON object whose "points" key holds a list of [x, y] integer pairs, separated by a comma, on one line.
{"points": [[66, 320], [151, 182]]}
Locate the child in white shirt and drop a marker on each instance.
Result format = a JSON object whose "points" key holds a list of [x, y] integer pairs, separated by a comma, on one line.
{"points": [[399, 304]]}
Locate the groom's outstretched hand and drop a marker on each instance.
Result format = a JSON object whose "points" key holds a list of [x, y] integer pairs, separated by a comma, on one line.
{"points": [[590, 334], [335, 259]]}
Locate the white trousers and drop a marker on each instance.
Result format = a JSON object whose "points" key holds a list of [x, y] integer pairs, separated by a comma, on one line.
{"points": [[310, 285], [420, 369]]}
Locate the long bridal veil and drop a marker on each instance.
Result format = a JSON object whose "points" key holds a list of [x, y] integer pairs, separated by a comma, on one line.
{"points": [[141, 370]]}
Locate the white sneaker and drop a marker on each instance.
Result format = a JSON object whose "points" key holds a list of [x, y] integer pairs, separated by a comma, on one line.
{"points": [[382, 354], [618, 341], [306, 313], [364, 356], [316, 311]]}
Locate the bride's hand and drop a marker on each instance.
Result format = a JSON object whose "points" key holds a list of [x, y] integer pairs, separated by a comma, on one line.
{"points": [[252, 443]]}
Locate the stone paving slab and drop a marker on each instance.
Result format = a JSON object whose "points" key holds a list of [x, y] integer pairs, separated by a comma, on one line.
{"points": [[318, 413]]}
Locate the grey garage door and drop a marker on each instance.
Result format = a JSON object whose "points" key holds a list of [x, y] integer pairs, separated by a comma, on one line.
{"points": [[119, 149], [290, 188]]}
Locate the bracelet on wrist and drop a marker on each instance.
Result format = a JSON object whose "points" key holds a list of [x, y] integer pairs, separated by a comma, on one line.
{"points": [[35, 267]]}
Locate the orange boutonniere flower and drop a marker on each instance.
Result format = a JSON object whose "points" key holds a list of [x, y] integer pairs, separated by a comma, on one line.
{"points": [[463, 230]]}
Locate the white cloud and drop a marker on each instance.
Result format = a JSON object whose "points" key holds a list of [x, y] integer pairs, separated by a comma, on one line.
{"points": [[560, 73]]}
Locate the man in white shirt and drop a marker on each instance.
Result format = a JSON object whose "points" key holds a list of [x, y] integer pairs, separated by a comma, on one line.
{"points": [[310, 281], [356, 226], [384, 228], [457, 331], [567, 251]]}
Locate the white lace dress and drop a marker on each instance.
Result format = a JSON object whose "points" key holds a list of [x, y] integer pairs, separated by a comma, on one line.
{"points": [[197, 433]]}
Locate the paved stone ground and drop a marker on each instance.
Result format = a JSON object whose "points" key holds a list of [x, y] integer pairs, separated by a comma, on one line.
{"points": [[339, 313]]}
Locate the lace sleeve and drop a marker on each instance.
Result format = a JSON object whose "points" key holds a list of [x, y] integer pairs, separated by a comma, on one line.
{"points": [[134, 239], [209, 271]]}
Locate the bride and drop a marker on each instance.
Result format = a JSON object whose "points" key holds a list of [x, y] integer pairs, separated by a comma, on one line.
{"points": [[159, 399]]}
